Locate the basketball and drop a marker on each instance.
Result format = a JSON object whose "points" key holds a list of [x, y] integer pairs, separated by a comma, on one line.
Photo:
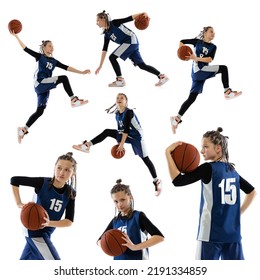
{"points": [[111, 242], [115, 153], [141, 22], [186, 157], [32, 216], [15, 25], [184, 51]]}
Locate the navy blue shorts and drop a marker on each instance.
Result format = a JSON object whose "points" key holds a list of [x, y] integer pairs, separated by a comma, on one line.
{"points": [[130, 51], [39, 248], [43, 90], [219, 250], [138, 146]]}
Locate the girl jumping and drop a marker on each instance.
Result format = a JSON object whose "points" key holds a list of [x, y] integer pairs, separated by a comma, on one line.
{"points": [[44, 82], [201, 71]]}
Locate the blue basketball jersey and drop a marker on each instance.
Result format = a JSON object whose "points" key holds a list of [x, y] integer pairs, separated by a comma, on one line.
{"points": [[204, 49], [53, 202], [220, 206], [136, 131], [121, 34], [131, 227], [44, 68]]}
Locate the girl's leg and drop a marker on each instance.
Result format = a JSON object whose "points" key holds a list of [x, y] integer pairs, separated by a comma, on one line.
{"points": [[120, 82], [162, 77], [85, 146], [21, 131], [184, 107], [156, 181], [75, 101], [229, 93]]}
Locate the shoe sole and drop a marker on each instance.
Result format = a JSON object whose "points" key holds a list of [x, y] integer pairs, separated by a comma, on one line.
{"points": [[77, 147], [82, 104], [229, 98], [162, 83]]}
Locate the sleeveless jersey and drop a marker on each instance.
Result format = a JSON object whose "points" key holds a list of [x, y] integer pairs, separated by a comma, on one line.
{"points": [[203, 49], [136, 131], [121, 34], [44, 68], [220, 206], [53, 202], [131, 227]]}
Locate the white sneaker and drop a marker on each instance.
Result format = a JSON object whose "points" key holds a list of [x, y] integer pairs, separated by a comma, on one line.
{"points": [[230, 94], [81, 147], [118, 83], [162, 81], [20, 134], [158, 187], [76, 102], [174, 123]]}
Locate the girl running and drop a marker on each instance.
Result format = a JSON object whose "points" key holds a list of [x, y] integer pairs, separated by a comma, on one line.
{"points": [[129, 131], [116, 31], [134, 224], [56, 195], [219, 230], [201, 71], [44, 82]]}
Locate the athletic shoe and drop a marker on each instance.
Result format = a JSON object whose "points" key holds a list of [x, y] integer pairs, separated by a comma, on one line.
{"points": [[81, 147], [118, 83], [163, 79], [76, 102], [174, 123], [158, 187], [230, 94], [20, 134]]}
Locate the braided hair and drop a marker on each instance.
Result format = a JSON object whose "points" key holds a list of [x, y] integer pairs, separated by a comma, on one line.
{"points": [[73, 181], [217, 138], [106, 17], [43, 44], [110, 111], [119, 187], [203, 31]]}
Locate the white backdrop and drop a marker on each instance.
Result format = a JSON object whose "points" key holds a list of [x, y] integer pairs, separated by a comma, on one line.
{"points": [[71, 25]]}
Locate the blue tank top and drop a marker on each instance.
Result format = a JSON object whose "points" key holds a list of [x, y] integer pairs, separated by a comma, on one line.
{"points": [[220, 206], [131, 227], [203, 49], [53, 202], [121, 34], [44, 68], [136, 131]]}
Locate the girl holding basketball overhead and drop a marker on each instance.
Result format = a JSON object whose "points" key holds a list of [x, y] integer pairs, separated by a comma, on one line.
{"points": [[57, 196], [44, 82], [134, 224], [129, 131], [201, 71], [219, 230], [116, 31]]}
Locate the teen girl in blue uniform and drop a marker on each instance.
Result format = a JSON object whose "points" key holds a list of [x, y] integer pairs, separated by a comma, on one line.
{"points": [[219, 230], [57, 196], [129, 131], [116, 31], [134, 224], [44, 82], [201, 71]]}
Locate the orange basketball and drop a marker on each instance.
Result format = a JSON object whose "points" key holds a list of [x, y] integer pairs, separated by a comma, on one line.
{"points": [[141, 22], [111, 242], [115, 153], [32, 216], [186, 157], [15, 26], [183, 52]]}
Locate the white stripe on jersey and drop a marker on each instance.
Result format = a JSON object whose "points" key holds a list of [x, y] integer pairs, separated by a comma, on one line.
{"points": [[128, 33]]}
